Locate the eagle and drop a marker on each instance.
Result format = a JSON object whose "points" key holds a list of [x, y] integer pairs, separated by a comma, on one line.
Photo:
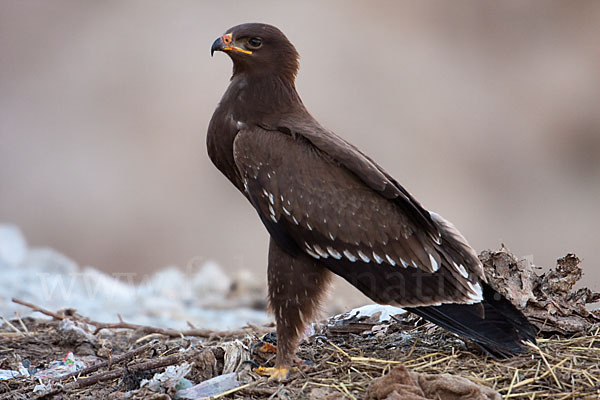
{"points": [[331, 209]]}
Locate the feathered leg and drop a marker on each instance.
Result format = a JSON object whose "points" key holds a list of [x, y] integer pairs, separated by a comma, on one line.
{"points": [[296, 286]]}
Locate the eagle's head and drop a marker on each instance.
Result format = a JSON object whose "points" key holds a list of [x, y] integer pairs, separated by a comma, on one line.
{"points": [[258, 49]]}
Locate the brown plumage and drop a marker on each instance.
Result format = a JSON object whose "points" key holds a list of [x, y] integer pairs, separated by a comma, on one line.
{"points": [[330, 208]]}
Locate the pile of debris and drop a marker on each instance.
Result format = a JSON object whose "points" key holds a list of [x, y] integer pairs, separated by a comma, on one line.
{"points": [[374, 352], [199, 292], [548, 299]]}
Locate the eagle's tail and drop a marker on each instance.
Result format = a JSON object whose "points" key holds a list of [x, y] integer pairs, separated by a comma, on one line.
{"points": [[499, 330]]}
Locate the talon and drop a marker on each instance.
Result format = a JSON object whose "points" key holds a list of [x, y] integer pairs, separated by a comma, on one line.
{"points": [[274, 374]]}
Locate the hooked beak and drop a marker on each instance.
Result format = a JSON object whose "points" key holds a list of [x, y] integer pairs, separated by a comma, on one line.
{"points": [[225, 43]]}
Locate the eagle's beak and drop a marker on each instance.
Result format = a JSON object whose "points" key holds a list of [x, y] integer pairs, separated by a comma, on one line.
{"points": [[225, 43], [217, 45]]}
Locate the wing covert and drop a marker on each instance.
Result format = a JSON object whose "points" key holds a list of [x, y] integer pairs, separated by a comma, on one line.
{"points": [[310, 202]]}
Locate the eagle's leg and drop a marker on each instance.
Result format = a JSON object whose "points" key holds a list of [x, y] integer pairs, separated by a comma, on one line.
{"points": [[296, 286]]}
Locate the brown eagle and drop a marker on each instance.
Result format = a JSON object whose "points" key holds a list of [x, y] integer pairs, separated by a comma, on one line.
{"points": [[330, 208]]}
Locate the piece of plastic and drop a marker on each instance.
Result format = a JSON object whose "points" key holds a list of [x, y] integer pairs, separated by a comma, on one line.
{"points": [[168, 379], [6, 374], [210, 387], [57, 368]]}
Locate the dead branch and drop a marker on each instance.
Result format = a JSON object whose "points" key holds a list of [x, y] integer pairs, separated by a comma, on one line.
{"points": [[205, 333], [114, 360], [38, 309], [142, 366]]}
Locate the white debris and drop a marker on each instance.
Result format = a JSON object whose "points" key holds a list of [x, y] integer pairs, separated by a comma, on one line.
{"points": [[57, 368], [13, 246], [40, 387], [211, 387], [6, 374], [369, 310], [167, 283], [167, 379], [169, 298], [70, 330], [236, 353], [211, 279]]}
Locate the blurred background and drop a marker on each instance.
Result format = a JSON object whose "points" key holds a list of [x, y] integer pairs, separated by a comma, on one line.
{"points": [[488, 112]]}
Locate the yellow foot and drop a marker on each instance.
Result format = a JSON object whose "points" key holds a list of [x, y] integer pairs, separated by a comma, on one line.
{"points": [[274, 374]]}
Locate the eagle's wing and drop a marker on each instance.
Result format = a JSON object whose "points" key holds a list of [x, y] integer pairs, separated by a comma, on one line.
{"points": [[348, 155], [310, 200]]}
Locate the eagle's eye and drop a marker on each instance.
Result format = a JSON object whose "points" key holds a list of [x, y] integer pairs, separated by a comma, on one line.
{"points": [[254, 42]]}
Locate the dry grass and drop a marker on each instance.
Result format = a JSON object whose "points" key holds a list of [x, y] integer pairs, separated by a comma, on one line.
{"points": [[557, 368], [340, 366]]}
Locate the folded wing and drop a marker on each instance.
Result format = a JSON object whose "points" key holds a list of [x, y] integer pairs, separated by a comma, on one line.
{"points": [[321, 197]]}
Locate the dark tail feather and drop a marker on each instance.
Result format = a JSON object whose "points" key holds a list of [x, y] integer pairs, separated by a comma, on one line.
{"points": [[499, 331]]}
